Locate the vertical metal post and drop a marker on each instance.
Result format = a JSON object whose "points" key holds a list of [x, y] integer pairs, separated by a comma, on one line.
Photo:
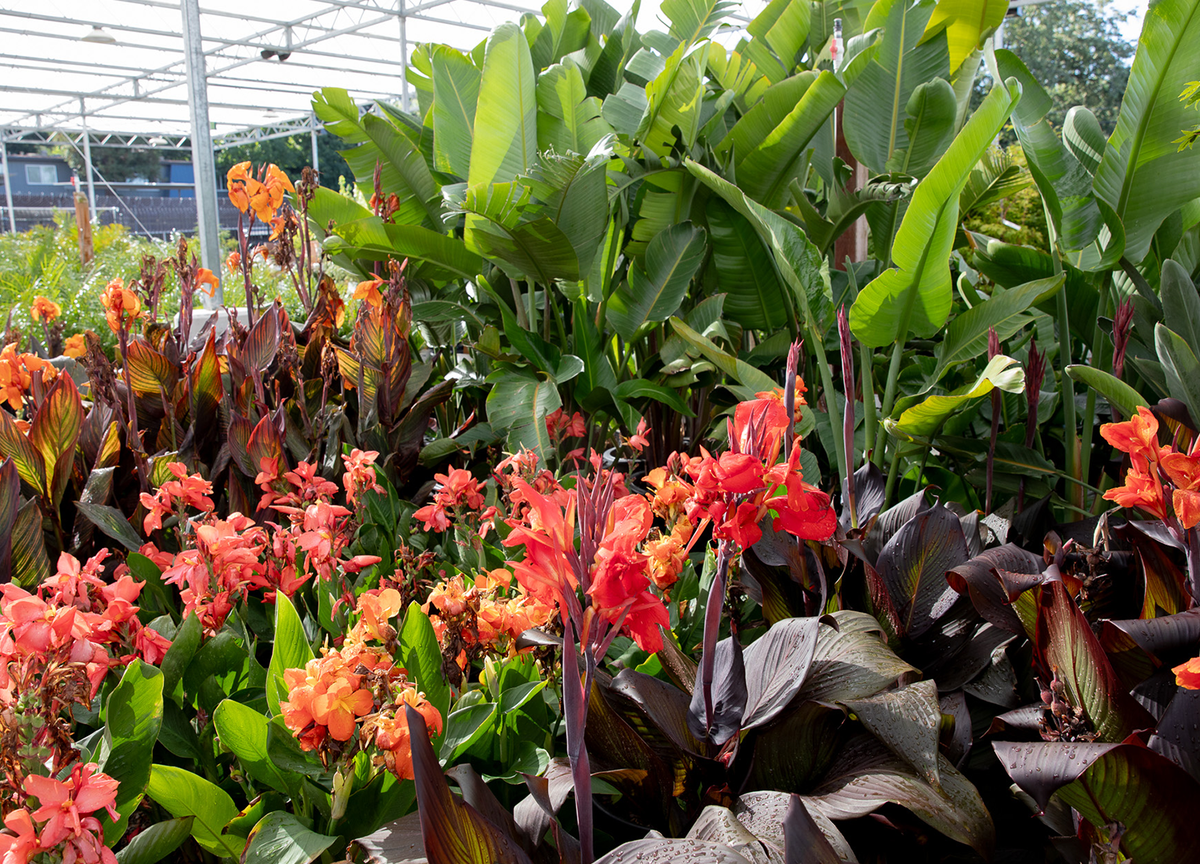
{"points": [[204, 166], [312, 131], [403, 56], [12, 219], [87, 159]]}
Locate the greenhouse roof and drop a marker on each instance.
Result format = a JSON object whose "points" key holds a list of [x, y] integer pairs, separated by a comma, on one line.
{"points": [[116, 68]]}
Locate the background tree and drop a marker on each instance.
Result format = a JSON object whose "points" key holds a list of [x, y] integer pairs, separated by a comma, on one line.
{"points": [[1076, 50], [116, 164], [291, 154]]}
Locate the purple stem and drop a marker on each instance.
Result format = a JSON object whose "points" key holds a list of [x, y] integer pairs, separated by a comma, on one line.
{"points": [[847, 350], [575, 709], [712, 627]]}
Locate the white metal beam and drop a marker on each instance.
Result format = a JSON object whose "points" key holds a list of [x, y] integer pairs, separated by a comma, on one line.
{"points": [[204, 169]]}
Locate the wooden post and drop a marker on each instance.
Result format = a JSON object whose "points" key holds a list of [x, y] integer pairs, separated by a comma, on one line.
{"points": [[83, 220]]}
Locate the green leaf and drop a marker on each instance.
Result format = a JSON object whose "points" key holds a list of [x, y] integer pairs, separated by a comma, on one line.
{"points": [[371, 238], [966, 337], [113, 523], [455, 94], [464, 727], [54, 433], [1143, 175], [1181, 303], [291, 650], [637, 388], [738, 370], [766, 173], [915, 296], [533, 248], [156, 842], [280, 838], [30, 563], [244, 731], [179, 655], [133, 717], [658, 285], [569, 120], [754, 296], [573, 192], [403, 170], [930, 114], [182, 793], [967, 23], [1180, 366], [518, 405], [673, 101], [15, 445], [926, 418], [422, 657], [505, 143], [1119, 394], [875, 105]]}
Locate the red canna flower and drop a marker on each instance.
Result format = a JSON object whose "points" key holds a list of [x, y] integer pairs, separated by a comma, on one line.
{"points": [[1187, 675]]}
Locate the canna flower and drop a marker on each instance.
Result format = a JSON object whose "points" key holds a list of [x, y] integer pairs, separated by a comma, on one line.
{"points": [[392, 733], [339, 707], [64, 804], [204, 276], [1183, 470], [360, 474], [1137, 436], [122, 305], [377, 607], [638, 440], [16, 374], [369, 292], [45, 309], [1187, 675], [233, 262], [19, 846], [75, 346]]}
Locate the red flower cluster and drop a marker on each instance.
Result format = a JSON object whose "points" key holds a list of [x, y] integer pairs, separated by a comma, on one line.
{"points": [[355, 696], [65, 809], [742, 486], [360, 474], [618, 577], [1155, 470], [173, 495], [16, 374], [487, 616], [74, 619], [559, 425], [458, 494]]}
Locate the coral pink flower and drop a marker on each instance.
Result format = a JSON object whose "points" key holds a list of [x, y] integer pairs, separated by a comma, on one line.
{"points": [[63, 805]]}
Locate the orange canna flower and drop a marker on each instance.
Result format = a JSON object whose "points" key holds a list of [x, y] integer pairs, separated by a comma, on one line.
{"points": [[340, 705], [122, 305], [1137, 436], [233, 263], [369, 291], [75, 346], [1187, 675], [204, 276], [45, 309], [1142, 489]]}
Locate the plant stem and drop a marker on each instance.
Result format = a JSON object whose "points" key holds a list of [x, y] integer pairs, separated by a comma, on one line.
{"points": [[712, 626], [870, 422], [575, 709]]}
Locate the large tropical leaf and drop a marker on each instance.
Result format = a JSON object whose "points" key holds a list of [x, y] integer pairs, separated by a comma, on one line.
{"points": [[929, 119], [518, 404], [966, 337], [568, 119], [1064, 641], [907, 721], [673, 101], [852, 661], [876, 103], [573, 190], [1144, 176], [505, 144], [658, 285], [766, 172], [372, 238], [915, 296], [966, 23], [497, 228], [912, 569], [55, 432], [926, 417], [868, 775], [403, 169], [745, 273], [455, 94], [1153, 799]]}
